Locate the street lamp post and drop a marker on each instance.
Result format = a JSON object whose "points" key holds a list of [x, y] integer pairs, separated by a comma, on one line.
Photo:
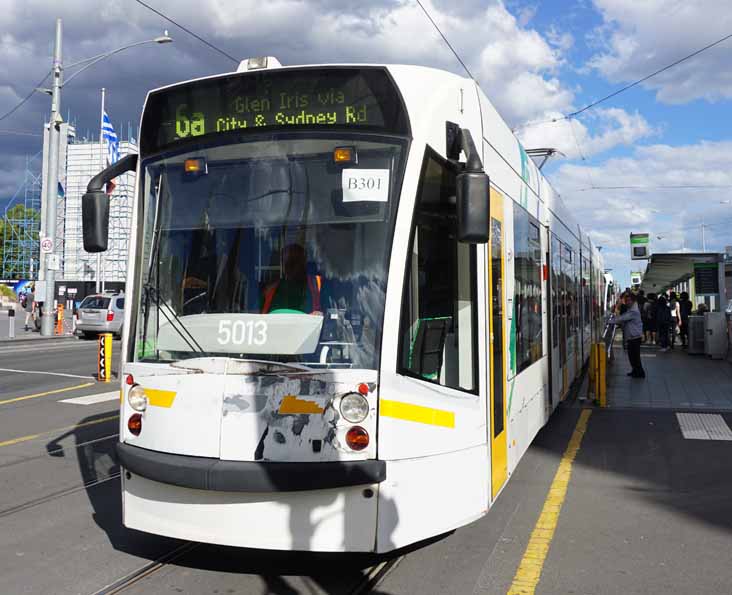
{"points": [[51, 183], [48, 231]]}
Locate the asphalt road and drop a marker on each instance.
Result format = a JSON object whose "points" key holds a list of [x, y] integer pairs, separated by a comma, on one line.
{"points": [[646, 511]]}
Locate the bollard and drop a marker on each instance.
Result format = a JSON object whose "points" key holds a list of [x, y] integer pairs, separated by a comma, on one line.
{"points": [[597, 384], [105, 357], [11, 322], [60, 319]]}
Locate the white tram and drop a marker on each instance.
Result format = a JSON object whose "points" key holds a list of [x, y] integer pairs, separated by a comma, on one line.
{"points": [[338, 337]]}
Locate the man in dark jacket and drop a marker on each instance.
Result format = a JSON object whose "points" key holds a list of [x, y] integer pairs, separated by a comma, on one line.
{"points": [[685, 307]]}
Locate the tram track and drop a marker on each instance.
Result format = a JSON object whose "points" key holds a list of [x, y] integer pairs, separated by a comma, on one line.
{"points": [[56, 495], [370, 580], [53, 452]]}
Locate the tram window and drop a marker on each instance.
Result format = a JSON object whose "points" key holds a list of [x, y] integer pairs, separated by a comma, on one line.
{"points": [[438, 327], [556, 290], [568, 268], [527, 298]]}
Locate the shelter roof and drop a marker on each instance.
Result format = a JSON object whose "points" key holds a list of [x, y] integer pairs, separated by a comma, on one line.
{"points": [[666, 270]]}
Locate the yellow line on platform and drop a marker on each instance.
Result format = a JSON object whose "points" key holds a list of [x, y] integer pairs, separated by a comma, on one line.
{"points": [[49, 392], [529, 570], [83, 424]]}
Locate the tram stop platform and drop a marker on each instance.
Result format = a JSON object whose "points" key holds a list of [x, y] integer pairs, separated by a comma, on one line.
{"points": [[635, 498]]}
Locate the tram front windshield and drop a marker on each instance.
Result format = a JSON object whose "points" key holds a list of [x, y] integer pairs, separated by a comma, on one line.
{"points": [[274, 249]]}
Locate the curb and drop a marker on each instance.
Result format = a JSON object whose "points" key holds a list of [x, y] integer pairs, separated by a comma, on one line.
{"points": [[7, 341]]}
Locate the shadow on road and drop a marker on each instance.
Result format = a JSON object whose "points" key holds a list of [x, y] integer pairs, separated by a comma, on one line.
{"points": [[282, 572]]}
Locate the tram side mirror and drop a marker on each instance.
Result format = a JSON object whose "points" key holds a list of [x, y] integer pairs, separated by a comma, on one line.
{"points": [[473, 194], [473, 207], [95, 205], [95, 221]]}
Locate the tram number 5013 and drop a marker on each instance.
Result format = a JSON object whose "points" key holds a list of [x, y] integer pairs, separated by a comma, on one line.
{"points": [[240, 332]]}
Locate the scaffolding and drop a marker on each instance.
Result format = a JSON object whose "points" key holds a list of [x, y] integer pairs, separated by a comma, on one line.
{"points": [[20, 248]]}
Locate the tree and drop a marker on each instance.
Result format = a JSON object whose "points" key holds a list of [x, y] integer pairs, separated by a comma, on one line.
{"points": [[19, 232]]}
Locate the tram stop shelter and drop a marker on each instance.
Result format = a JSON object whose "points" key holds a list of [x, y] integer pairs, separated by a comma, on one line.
{"points": [[700, 274]]}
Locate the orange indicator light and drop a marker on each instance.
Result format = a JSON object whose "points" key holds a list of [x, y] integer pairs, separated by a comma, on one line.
{"points": [[363, 388], [194, 166], [344, 155], [357, 438], [134, 424]]}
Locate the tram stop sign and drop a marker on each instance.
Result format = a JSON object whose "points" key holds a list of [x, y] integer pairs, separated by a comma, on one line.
{"points": [[640, 248]]}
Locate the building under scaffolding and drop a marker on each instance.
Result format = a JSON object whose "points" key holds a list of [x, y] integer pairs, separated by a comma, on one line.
{"points": [[22, 224], [84, 160], [79, 161]]}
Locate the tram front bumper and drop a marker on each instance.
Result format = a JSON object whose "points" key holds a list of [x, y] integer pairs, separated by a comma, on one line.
{"points": [[267, 506], [204, 473]]}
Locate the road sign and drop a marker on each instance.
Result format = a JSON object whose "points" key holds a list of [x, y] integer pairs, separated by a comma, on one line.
{"points": [[54, 262], [46, 246]]}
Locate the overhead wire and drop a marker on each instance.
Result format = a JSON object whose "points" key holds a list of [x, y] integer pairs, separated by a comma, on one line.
{"points": [[626, 87], [19, 133], [659, 187], [26, 98], [581, 153], [187, 30], [444, 38]]}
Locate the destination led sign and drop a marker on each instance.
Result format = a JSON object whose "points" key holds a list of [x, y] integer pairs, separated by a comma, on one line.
{"points": [[363, 98]]}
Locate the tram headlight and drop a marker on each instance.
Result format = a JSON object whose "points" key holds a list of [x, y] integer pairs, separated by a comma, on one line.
{"points": [[137, 398], [354, 408]]}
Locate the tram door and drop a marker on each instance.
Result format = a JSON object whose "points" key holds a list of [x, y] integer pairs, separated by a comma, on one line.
{"points": [[496, 297]]}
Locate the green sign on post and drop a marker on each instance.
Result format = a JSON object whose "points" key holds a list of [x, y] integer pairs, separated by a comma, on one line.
{"points": [[640, 246]]}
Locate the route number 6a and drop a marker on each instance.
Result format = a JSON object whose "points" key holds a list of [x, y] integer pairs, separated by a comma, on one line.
{"points": [[240, 332]]}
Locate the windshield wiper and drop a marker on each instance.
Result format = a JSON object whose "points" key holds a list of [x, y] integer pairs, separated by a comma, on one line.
{"points": [[152, 291]]}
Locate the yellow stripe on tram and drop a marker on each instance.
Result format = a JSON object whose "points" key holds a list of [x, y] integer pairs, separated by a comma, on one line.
{"points": [[529, 570], [160, 398], [417, 413]]}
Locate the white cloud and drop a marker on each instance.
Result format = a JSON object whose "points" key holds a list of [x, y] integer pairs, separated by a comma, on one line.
{"points": [[675, 215], [611, 127], [637, 38]]}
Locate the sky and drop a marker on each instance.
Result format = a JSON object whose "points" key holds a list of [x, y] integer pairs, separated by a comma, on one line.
{"points": [[535, 60]]}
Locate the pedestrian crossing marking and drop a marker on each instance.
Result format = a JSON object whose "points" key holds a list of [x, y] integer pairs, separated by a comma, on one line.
{"points": [[93, 399]]}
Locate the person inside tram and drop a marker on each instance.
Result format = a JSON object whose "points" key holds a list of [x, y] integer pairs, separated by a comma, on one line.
{"points": [[296, 290]]}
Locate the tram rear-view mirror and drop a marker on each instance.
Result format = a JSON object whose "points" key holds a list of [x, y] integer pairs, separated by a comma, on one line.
{"points": [[95, 220], [95, 204], [473, 207]]}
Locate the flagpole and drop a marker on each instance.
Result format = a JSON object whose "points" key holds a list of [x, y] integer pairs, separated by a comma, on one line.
{"points": [[99, 281]]}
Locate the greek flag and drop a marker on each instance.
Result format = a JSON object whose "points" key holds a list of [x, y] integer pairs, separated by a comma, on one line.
{"points": [[110, 138]]}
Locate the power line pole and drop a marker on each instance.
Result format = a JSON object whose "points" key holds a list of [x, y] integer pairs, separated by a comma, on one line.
{"points": [[51, 193], [99, 275]]}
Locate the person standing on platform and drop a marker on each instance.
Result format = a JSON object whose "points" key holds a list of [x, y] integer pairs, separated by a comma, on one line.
{"points": [[685, 308], [663, 322], [648, 313], [673, 306], [632, 334]]}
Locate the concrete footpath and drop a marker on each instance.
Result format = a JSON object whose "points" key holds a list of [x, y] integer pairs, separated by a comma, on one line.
{"points": [[31, 335]]}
